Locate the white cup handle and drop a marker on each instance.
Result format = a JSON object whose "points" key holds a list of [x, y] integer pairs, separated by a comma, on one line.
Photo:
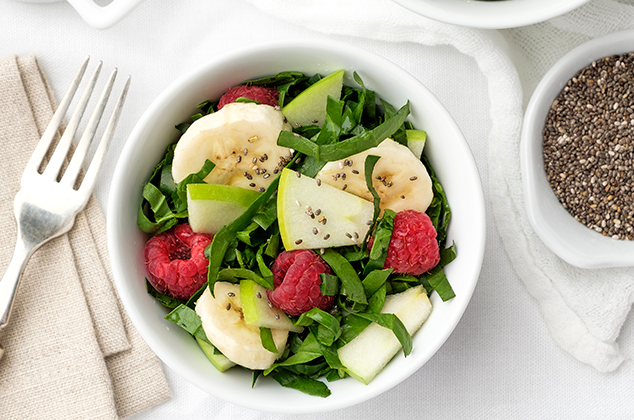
{"points": [[102, 17]]}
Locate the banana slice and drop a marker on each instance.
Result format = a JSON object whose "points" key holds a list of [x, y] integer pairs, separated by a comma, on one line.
{"points": [[400, 179], [225, 327], [241, 139]]}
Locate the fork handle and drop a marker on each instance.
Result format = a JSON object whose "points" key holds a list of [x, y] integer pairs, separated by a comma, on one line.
{"points": [[11, 279]]}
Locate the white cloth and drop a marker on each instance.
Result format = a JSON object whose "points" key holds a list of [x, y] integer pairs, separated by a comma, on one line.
{"points": [[584, 309], [501, 361]]}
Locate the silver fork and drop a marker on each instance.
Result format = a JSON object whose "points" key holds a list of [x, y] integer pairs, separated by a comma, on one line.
{"points": [[46, 205]]}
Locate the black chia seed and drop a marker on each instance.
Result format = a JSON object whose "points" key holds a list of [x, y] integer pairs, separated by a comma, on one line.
{"points": [[589, 146]]}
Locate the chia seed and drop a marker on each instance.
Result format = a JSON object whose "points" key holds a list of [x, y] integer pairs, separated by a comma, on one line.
{"points": [[589, 146]]}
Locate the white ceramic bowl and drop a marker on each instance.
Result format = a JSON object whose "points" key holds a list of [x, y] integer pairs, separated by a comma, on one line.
{"points": [[569, 239], [94, 13], [446, 148], [491, 14]]}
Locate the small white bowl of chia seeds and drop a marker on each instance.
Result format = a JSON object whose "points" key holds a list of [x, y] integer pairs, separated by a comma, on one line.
{"points": [[577, 154]]}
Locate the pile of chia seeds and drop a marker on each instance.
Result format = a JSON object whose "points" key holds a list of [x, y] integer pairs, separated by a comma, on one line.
{"points": [[589, 146]]}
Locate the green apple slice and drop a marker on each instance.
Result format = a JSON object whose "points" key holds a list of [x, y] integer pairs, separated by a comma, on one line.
{"points": [[314, 215], [212, 206], [219, 360], [258, 310], [309, 107], [412, 307], [416, 141]]}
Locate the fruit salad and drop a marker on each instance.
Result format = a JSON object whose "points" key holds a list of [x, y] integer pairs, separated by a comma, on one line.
{"points": [[294, 224]]}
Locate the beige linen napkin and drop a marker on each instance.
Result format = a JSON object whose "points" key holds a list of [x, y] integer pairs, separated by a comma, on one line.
{"points": [[70, 350]]}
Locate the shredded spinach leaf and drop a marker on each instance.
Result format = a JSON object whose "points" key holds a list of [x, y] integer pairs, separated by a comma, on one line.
{"points": [[167, 301], [374, 280], [306, 352], [343, 149], [186, 318], [437, 280], [301, 383], [267, 340], [328, 330], [438, 211], [369, 164], [234, 275], [382, 236], [351, 285], [276, 79], [329, 284]]}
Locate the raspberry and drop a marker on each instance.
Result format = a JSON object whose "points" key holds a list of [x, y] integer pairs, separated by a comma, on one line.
{"points": [[413, 247], [264, 95], [296, 280], [176, 261]]}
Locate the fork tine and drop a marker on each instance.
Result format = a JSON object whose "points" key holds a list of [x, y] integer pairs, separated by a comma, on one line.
{"points": [[88, 182], [61, 151], [51, 130], [72, 171]]}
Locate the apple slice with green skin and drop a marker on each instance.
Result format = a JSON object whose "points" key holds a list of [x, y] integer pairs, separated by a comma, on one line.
{"points": [[314, 215], [412, 307], [219, 360], [309, 107], [416, 141], [258, 310], [212, 206]]}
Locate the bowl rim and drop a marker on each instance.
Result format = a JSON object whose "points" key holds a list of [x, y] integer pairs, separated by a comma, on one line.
{"points": [[581, 249], [486, 14], [478, 223]]}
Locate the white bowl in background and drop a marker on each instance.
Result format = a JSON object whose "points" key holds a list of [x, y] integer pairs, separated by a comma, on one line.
{"points": [[496, 14], [446, 149], [571, 240], [97, 15]]}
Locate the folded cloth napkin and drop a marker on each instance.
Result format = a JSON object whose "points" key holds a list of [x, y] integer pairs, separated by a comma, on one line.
{"points": [[70, 351], [584, 309]]}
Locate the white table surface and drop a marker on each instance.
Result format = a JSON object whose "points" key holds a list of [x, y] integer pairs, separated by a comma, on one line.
{"points": [[499, 363]]}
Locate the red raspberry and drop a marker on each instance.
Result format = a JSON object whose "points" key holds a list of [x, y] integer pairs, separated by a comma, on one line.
{"points": [[176, 261], [296, 280], [413, 247], [264, 95]]}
